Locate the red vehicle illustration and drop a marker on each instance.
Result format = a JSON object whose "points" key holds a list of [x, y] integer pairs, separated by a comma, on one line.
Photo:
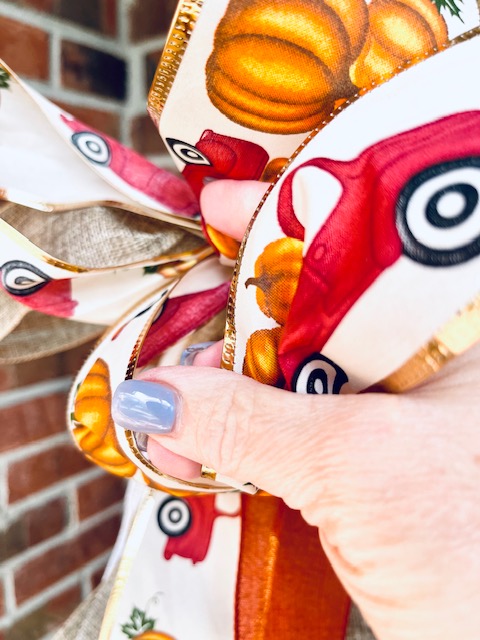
{"points": [[217, 156], [188, 522], [415, 194], [33, 288], [135, 170]]}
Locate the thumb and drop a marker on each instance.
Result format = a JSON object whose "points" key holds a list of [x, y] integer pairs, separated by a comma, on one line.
{"points": [[278, 440], [390, 481]]}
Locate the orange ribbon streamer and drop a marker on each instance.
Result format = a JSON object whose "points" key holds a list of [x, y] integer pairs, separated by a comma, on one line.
{"points": [[286, 587]]}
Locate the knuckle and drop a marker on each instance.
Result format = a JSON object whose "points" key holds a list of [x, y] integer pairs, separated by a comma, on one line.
{"points": [[229, 429]]}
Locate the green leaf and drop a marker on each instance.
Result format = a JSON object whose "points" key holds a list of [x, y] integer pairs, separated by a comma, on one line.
{"points": [[137, 624], [451, 6], [4, 78], [153, 269], [129, 631]]}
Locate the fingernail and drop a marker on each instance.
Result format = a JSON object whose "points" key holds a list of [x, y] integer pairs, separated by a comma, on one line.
{"points": [[188, 356], [147, 407]]}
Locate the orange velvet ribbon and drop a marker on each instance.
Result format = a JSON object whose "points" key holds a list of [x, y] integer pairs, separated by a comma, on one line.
{"points": [[286, 587]]}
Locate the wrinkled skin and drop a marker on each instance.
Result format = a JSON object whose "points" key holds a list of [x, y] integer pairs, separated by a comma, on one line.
{"points": [[391, 482]]}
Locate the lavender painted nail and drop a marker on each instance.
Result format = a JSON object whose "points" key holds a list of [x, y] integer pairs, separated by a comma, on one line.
{"points": [[188, 356], [146, 407]]}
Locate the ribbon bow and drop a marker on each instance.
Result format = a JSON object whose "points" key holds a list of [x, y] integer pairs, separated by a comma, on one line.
{"points": [[355, 213]]}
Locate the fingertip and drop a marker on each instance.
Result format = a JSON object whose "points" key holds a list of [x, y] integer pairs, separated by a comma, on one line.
{"points": [[171, 463], [228, 205], [209, 357]]}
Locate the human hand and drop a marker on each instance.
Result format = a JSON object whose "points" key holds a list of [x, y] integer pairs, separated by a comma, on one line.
{"points": [[391, 482]]}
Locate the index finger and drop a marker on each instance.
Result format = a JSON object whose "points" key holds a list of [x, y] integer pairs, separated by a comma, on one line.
{"points": [[228, 205]]}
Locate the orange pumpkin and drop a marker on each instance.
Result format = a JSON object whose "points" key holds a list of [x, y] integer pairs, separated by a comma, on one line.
{"points": [[272, 169], [95, 431], [226, 245], [279, 67], [277, 270], [400, 31], [260, 361]]}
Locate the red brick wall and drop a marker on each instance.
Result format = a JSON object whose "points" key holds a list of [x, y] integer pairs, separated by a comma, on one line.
{"points": [[96, 58], [59, 515]]}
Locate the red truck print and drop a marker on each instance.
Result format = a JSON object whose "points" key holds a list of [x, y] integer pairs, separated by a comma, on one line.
{"points": [[188, 523], [396, 200], [132, 168], [33, 288], [217, 156]]}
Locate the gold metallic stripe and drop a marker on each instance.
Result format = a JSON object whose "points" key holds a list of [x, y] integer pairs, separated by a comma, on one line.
{"points": [[17, 238], [208, 472], [143, 210], [455, 337], [129, 555], [176, 44], [169, 265], [186, 485]]}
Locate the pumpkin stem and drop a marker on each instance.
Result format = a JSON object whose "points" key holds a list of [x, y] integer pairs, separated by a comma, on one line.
{"points": [[261, 282]]}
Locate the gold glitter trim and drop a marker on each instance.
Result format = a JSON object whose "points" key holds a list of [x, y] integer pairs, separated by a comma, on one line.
{"points": [[228, 354], [175, 47], [208, 472], [183, 483]]}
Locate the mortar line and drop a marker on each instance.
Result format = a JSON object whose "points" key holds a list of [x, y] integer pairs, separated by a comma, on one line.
{"points": [[16, 510], [68, 535], [36, 602], [30, 392]]}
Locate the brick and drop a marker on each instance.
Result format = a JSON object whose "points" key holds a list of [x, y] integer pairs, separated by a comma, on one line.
{"points": [[92, 71], [41, 572], [99, 494], [104, 121], [33, 420], [99, 15], [109, 16], [149, 18], [47, 618], [42, 470], [33, 527], [145, 137], [13, 376], [25, 48]]}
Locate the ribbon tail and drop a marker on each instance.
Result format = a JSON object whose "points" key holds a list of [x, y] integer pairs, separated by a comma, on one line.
{"points": [[286, 587]]}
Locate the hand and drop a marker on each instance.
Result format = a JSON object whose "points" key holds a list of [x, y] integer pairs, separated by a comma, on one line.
{"points": [[391, 482]]}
